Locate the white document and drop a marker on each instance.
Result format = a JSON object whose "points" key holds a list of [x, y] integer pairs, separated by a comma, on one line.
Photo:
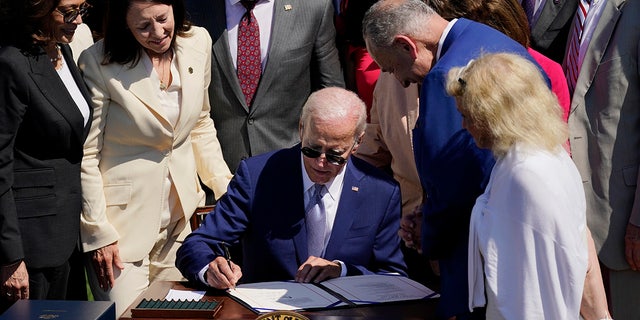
{"points": [[284, 295], [344, 291], [184, 295], [375, 288]]}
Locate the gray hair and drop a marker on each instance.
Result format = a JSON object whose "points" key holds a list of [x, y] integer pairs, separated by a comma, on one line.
{"points": [[386, 19], [335, 104]]}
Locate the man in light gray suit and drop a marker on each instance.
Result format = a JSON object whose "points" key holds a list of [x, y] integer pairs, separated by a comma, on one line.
{"points": [[605, 142], [551, 27], [299, 55]]}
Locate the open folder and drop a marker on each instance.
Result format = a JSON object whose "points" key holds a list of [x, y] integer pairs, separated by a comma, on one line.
{"points": [[338, 292]]}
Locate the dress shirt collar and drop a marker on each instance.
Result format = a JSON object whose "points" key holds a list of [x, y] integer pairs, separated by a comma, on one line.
{"points": [[234, 2], [443, 37], [334, 186]]}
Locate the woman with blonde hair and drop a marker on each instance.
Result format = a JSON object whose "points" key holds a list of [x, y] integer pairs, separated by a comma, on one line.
{"points": [[528, 240]]}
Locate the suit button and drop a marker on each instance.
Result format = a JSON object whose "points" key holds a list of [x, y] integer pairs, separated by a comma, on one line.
{"points": [[250, 121]]}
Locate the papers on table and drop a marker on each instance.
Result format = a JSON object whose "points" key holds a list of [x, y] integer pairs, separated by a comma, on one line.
{"points": [[368, 289], [284, 295], [344, 291], [184, 295]]}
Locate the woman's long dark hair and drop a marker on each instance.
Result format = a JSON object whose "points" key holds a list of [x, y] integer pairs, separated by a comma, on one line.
{"points": [[26, 23], [119, 44]]}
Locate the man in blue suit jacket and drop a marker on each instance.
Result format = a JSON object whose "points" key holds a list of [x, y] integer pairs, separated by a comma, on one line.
{"points": [[264, 207], [410, 40]]}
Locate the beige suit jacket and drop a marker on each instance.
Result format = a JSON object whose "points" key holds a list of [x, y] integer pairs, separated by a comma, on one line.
{"points": [[388, 141], [132, 148], [604, 123]]}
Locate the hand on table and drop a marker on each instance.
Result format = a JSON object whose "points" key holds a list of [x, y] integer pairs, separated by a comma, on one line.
{"points": [[15, 281], [223, 273], [316, 270]]}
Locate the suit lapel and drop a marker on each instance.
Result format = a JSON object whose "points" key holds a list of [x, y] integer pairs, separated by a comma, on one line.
{"points": [[350, 202], [547, 16], [189, 61], [601, 37], [77, 77], [221, 53], [138, 82], [52, 87]]}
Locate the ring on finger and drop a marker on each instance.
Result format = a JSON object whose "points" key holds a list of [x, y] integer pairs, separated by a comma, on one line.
{"points": [[9, 294]]}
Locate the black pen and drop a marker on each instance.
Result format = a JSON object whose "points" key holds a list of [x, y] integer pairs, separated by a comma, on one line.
{"points": [[227, 255]]}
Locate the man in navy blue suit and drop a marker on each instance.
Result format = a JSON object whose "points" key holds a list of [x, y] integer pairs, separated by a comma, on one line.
{"points": [[407, 38], [264, 208]]}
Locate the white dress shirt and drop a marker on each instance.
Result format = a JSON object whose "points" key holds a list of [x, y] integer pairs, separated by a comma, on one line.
{"points": [[263, 11], [330, 200]]}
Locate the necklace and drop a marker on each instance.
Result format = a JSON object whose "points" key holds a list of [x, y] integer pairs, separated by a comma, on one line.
{"points": [[163, 64], [58, 57]]}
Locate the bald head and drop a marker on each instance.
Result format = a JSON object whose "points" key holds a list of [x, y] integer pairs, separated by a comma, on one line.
{"points": [[335, 105]]}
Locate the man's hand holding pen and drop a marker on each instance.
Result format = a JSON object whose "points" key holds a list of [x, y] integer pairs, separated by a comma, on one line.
{"points": [[223, 273]]}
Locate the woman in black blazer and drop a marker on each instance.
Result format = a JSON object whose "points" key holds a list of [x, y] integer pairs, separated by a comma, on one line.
{"points": [[44, 119]]}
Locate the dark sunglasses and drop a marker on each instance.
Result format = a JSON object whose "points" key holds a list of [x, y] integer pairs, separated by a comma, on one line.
{"points": [[71, 14], [331, 158]]}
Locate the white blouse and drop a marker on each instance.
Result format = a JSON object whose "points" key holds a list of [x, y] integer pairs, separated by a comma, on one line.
{"points": [[527, 238]]}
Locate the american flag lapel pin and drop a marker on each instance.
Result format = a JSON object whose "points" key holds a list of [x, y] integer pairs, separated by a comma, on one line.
{"points": [[287, 7], [354, 188]]}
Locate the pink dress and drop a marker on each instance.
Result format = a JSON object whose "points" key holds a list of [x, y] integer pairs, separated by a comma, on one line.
{"points": [[558, 80]]}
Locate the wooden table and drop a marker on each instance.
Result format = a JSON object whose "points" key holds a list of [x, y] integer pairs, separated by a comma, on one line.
{"points": [[232, 310]]}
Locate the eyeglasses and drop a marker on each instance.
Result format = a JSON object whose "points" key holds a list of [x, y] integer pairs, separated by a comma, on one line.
{"points": [[331, 158], [334, 159], [71, 14]]}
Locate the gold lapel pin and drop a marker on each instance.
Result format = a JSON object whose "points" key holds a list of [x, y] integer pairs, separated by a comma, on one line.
{"points": [[287, 7], [355, 189], [190, 70]]}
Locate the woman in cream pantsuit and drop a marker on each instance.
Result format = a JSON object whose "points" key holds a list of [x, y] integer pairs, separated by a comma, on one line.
{"points": [[150, 139]]}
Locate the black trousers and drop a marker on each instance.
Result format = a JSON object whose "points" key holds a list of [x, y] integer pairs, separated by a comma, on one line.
{"points": [[45, 284], [49, 283]]}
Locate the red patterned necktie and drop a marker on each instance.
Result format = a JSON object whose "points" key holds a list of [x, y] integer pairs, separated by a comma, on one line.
{"points": [[572, 61], [249, 62]]}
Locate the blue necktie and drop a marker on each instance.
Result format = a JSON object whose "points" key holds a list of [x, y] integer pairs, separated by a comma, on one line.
{"points": [[316, 222]]}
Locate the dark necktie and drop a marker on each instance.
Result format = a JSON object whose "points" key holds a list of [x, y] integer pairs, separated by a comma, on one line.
{"points": [[529, 9], [249, 62], [572, 60]]}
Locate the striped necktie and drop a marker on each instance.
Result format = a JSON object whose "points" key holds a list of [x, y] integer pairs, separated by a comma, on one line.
{"points": [[572, 60]]}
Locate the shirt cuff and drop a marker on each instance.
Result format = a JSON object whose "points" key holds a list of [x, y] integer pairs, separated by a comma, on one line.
{"points": [[201, 274], [343, 267]]}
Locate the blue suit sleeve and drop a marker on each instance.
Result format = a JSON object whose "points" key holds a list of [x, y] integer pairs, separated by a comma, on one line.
{"points": [[226, 223]]}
